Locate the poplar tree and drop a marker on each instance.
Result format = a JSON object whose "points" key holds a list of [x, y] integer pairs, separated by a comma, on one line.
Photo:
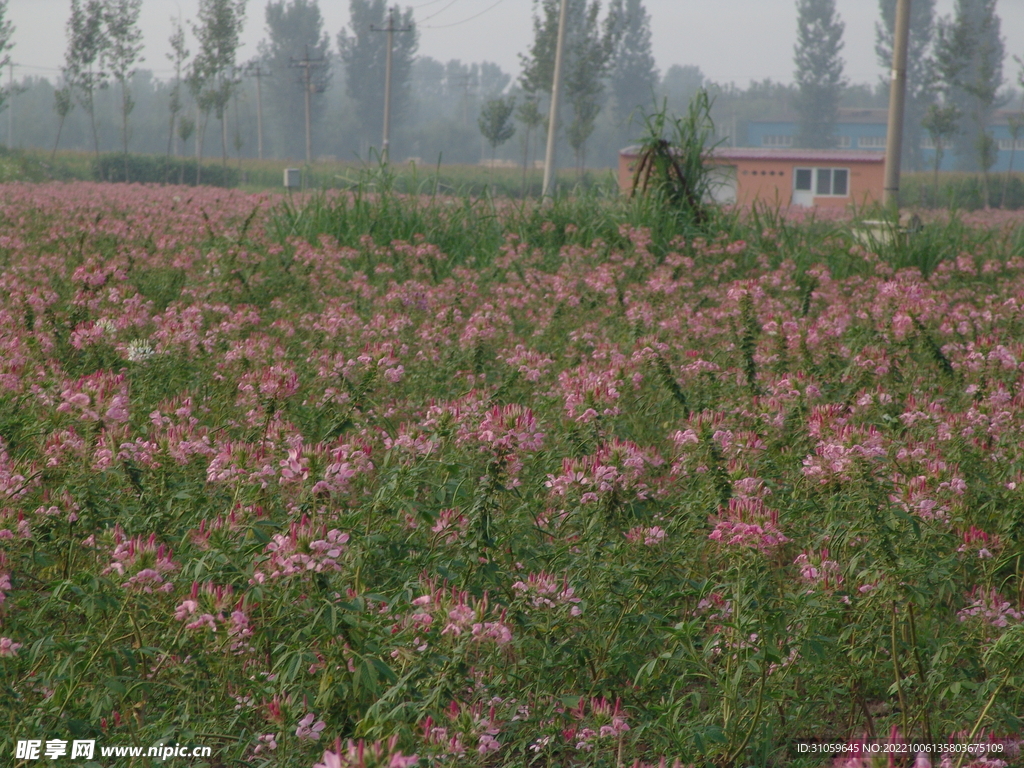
{"points": [[364, 53], [496, 123], [819, 71], [589, 46], [633, 77], [214, 74], [294, 29], [124, 44], [82, 71], [921, 82], [969, 56], [179, 55], [6, 33]]}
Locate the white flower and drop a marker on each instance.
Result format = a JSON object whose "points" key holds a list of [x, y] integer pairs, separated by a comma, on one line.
{"points": [[139, 350]]}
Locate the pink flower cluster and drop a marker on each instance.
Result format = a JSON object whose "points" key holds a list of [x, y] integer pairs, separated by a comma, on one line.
{"points": [[618, 467], [306, 548], [101, 396], [459, 613], [989, 607], [544, 590], [818, 570], [146, 563], [216, 602], [748, 522], [359, 754], [649, 536], [8, 648], [603, 721], [466, 723]]}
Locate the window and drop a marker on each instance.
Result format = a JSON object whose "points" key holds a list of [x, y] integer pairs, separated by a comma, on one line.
{"points": [[824, 185], [1006, 145], [823, 182], [871, 142], [845, 142], [776, 141]]}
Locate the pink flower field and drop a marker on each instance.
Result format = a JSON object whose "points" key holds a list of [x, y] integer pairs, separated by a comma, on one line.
{"points": [[371, 481]]}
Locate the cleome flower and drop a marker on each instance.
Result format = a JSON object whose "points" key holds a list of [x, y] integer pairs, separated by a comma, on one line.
{"points": [[306, 548], [143, 561]]}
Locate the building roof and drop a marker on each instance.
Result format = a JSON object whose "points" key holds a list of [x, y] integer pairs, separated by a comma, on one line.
{"points": [[846, 115], [800, 155], [778, 153], [867, 116]]}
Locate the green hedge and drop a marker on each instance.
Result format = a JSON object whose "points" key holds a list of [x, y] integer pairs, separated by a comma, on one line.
{"points": [[160, 169], [965, 191]]}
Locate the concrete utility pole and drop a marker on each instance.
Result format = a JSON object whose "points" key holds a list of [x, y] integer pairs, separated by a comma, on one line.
{"points": [[390, 29], [255, 69], [897, 97], [10, 106], [556, 95], [309, 86]]}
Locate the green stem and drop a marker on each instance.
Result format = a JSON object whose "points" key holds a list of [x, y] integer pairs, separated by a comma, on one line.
{"points": [[99, 646]]}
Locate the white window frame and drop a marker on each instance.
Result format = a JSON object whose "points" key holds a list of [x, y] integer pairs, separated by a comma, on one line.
{"points": [[815, 172], [777, 140], [845, 142], [871, 142]]}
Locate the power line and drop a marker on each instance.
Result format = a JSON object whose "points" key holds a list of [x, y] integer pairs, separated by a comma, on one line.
{"points": [[470, 18], [438, 13]]}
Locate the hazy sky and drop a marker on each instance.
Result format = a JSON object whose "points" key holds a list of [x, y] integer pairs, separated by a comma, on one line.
{"points": [[731, 40]]}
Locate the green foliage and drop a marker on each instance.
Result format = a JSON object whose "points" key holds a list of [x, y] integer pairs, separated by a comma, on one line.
{"points": [[295, 29], [495, 121], [920, 86], [969, 55], [672, 161], [633, 77], [363, 54], [819, 71], [963, 191], [87, 45], [158, 169]]}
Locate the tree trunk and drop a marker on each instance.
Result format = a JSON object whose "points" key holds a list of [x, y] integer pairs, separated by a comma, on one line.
{"points": [[526, 159], [124, 126], [60, 128], [92, 121], [200, 133]]}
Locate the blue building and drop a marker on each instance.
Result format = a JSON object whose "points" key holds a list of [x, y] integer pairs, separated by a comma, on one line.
{"points": [[866, 129]]}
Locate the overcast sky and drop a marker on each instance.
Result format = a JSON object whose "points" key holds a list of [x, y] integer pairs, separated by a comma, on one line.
{"points": [[731, 40]]}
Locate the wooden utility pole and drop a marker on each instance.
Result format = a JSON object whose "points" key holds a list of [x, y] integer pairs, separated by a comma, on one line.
{"points": [[390, 29], [309, 86], [556, 94], [255, 69], [897, 98]]}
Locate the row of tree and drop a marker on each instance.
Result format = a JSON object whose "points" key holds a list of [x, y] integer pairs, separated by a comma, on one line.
{"points": [[454, 109], [954, 75]]}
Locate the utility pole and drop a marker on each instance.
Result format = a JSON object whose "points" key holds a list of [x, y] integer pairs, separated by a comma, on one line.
{"points": [[556, 94], [897, 97], [10, 107], [255, 69], [309, 86], [390, 29]]}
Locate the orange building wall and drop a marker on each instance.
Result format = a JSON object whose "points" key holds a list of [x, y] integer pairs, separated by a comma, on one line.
{"points": [[771, 181]]}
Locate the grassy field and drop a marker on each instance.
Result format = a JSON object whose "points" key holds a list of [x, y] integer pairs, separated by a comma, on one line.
{"points": [[375, 479]]}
